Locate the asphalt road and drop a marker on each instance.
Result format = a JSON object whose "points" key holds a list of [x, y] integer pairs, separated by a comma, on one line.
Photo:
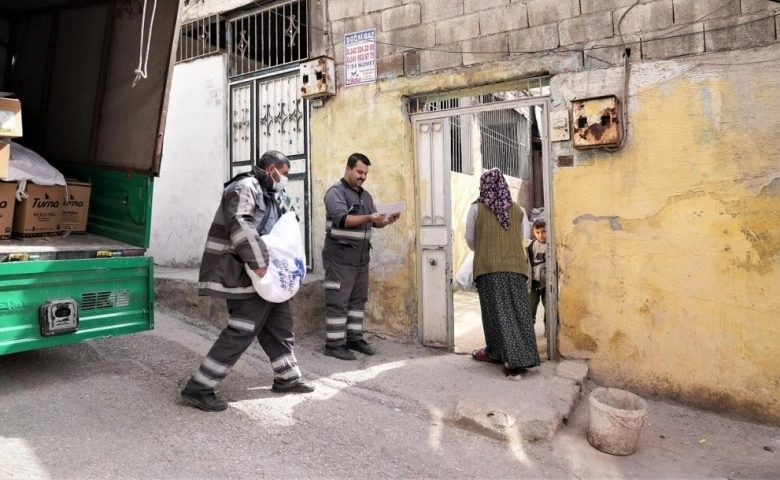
{"points": [[110, 409]]}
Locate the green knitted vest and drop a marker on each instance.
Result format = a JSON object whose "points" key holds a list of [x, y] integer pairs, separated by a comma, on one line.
{"points": [[496, 249]]}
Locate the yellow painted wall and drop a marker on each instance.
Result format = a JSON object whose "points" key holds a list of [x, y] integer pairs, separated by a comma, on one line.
{"points": [[465, 189], [360, 119], [373, 119], [669, 249]]}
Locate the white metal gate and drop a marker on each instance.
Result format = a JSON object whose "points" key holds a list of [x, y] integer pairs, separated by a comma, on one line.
{"points": [[434, 240], [266, 110], [267, 113]]}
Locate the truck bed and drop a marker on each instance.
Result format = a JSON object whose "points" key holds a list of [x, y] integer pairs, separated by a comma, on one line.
{"points": [[67, 248]]}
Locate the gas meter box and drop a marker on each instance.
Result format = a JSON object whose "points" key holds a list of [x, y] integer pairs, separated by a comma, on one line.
{"points": [[318, 78], [596, 122]]}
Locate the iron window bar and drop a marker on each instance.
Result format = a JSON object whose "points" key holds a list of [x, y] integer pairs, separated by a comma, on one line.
{"points": [[268, 37], [201, 38], [516, 90]]}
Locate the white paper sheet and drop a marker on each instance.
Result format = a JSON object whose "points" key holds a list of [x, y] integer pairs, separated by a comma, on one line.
{"points": [[390, 209]]}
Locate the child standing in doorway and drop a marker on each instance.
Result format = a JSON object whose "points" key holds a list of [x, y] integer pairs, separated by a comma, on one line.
{"points": [[537, 255]]}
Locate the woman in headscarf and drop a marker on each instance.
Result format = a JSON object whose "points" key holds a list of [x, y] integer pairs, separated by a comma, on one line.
{"points": [[494, 232]]}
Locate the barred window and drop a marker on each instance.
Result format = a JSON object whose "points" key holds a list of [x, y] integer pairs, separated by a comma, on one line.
{"points": [[199, 38], [269, 37]]}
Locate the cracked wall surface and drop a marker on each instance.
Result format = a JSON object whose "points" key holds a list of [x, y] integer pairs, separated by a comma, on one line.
{"points": [[669, 249]]}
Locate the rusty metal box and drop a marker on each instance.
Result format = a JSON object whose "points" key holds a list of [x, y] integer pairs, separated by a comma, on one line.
{"points": [[596, 122], [318, 78]]}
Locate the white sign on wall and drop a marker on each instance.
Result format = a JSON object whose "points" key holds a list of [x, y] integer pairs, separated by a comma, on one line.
{"points": [[360, 57]]}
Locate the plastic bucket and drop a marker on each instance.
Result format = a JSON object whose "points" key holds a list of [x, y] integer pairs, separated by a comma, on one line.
{"points": [[616, 418]]}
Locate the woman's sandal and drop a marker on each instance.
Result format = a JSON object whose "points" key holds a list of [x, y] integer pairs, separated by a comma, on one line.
{"points": [[513, 372], [481, 356]]}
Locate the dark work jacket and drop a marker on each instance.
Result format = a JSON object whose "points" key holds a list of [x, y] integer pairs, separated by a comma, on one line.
{"points": [[347, 246], [234, 238]]}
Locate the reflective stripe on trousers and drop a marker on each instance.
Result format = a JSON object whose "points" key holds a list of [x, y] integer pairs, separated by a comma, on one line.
{"points": [[346, 294], [270, 323]]}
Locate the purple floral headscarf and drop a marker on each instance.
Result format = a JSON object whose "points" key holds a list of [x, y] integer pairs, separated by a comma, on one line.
{"points": [[494, 193]]}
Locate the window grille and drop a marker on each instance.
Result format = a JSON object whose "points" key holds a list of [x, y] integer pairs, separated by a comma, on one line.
{"points": [[269, 37], [200, 38], [502, 139], [517, 90], [505, 141], [457, 147]]}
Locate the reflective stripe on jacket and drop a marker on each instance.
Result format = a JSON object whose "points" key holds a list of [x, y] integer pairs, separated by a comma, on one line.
{"points": [[233, 239], [347, 246]]}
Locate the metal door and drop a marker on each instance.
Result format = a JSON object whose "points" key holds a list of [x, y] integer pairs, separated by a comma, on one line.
{"points": [[434, 246], [268, 113]]}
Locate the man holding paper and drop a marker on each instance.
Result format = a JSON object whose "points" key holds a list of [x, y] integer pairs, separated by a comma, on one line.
{"points": [[350, 217]]}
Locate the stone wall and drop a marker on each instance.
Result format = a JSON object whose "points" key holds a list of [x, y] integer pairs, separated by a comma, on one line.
{"points": [[421, 36]]}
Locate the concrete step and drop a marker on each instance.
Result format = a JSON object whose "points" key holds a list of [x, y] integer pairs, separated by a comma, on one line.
{"points": [[543, 400]]}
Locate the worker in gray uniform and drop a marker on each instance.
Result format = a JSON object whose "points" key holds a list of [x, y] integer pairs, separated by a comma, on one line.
{"points": [[246, 212], [350, 218]]}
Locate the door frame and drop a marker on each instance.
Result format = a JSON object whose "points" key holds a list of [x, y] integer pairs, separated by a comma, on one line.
{"points": [[551, 310]]}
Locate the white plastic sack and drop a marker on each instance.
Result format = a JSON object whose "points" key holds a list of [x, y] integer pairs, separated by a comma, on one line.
{"points": [[26, 165], [286, 262], [465, 275], [526, 226]]}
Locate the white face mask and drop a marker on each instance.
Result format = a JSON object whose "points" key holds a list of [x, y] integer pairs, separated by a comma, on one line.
{"points": [[280, 185]]}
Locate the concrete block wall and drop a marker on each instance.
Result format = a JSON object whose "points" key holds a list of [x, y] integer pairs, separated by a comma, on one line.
{"points": [[416, 37]]}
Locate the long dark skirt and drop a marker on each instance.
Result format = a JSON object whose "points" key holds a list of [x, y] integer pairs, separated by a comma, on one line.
{"points": [[507, 320]]}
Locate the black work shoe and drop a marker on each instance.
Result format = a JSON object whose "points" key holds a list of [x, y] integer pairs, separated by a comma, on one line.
{"points": [[341, 353], [300, 387], [208, 402], [361, 346]]}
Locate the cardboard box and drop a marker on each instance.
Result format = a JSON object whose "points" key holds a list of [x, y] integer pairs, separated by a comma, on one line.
{"points": [[39, 214], [76, 207], [10, 117], [5, 159], [7, 201]]}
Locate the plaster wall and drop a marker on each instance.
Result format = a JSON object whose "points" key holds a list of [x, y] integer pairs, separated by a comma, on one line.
{"points": [[364, 120], [668, 251], [465, 189], [189, 188], [373, 119]]}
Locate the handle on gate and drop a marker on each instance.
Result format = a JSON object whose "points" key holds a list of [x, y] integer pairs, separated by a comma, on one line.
{"points": [[433, 262]]}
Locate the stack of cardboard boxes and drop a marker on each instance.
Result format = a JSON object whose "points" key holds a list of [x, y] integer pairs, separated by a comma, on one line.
{"points": [[47, 210], [10, 127]]}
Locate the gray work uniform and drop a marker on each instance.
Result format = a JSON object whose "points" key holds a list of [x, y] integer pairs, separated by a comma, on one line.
{"points": [[345, 256], [247, 211]]}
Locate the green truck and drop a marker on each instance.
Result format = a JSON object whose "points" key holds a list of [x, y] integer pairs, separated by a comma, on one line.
{"points": [[93, 78]]}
